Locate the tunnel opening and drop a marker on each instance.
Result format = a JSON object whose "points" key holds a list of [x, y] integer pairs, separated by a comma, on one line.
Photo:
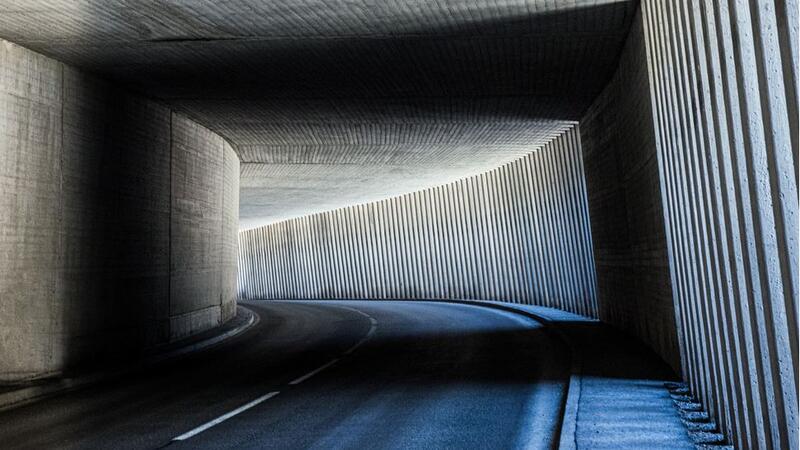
{"points": [[631, 164]]}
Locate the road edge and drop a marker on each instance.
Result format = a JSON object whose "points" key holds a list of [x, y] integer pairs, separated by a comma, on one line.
{"points": [[569, 407], [50, 388]]}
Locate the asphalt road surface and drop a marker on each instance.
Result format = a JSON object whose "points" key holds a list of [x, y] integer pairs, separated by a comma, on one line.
{"points": [[328, 375]]}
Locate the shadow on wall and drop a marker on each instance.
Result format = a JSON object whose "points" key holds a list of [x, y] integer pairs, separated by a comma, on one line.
{"points": [[625, 209], [149, 223], [115, 221], [93, 213]]}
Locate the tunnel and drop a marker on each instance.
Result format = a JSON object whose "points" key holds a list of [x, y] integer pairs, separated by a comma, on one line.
{"points": [[399, 224]]}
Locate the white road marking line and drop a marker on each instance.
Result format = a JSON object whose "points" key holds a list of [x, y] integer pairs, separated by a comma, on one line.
{"points": [[314, 372], [225, 417], [372, 330]]}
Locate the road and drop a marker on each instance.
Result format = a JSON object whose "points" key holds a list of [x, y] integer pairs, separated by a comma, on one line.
{"points": [[323, 375]]}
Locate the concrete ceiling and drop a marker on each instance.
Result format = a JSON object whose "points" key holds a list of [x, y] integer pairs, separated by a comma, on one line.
{"points": [[331, 103]]}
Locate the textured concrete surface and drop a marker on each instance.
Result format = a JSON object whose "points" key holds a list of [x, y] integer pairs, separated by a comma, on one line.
{"points": [[30, 149], [624, 196], [331, 104], [519, 233], [434, 375], [721, 118], [198, 166], [624, 403], [725, 92], [114, 219], [115, 211], [228, 265]]}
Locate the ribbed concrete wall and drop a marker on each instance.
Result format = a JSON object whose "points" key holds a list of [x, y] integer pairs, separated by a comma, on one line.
{"points": [[622, 178], [710, 90], [519, 233], [102, 194], [724, 89]]}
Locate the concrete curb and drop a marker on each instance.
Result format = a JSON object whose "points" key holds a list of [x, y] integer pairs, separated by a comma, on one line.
{"points": [[30, 394], [569, 421]]}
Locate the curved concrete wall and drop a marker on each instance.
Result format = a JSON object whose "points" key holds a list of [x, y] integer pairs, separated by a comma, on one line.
{"points": [[519, 233], [111, 208], [204, 227]]}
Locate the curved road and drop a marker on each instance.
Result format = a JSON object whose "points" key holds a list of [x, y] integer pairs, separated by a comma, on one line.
{"points": [[322, 375]]}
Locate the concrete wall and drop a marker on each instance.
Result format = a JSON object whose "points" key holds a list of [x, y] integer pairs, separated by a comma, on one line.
{"points": [[113, 221], [112, 210], [724, 87], [204, 226], [30, 210], [519, 233], [718, 110], [622, 179]]}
